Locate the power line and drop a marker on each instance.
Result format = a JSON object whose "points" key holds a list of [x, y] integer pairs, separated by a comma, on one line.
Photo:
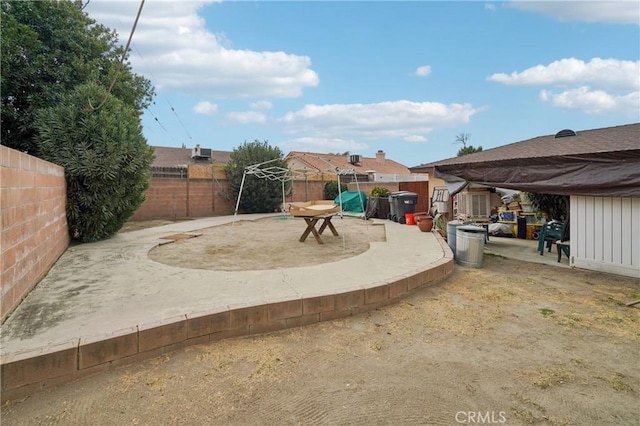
{"points": [[180, 121], [160, 124], [124, 55], [166, 98]]}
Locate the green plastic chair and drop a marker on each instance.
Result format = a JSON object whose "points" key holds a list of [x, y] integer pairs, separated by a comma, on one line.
{"points": [[550, 233]]}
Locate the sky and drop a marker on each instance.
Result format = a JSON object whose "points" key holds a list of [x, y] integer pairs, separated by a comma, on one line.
{"points": [[407, 78]]}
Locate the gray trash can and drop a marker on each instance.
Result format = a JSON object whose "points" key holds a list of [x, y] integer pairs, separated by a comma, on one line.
{"points": [[451, 234], [470, 245], [394, 205]]}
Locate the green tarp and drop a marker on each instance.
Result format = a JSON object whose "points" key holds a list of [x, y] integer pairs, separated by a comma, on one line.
{"points": [[352, 201]]}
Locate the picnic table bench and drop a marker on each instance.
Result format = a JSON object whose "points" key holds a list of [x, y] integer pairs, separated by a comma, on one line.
{"points": [[312, 221]]}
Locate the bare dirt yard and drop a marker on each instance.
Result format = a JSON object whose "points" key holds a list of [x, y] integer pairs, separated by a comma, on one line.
{"points": [[270, 243], [512, 343]]}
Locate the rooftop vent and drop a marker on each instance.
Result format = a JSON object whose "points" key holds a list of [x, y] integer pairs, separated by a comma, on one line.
{"points": [[565, 133]]}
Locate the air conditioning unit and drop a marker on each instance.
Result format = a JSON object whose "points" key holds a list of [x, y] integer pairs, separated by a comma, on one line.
{"points": [[198, 152], [354, 159]]}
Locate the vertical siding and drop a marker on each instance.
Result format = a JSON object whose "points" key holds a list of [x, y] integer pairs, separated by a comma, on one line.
{"points": [[605, 234]]}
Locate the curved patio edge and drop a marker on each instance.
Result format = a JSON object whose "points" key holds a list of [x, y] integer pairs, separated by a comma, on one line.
{"points": [[26, 373]]}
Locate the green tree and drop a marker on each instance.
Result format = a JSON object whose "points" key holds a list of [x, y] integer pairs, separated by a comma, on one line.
{"points": [[48, 48], [553, 206], [331, 189], [463, 138], [259, 195], [105, 157]]}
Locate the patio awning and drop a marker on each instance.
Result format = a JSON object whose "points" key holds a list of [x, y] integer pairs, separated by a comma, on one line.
{"points": [[611, 174]]}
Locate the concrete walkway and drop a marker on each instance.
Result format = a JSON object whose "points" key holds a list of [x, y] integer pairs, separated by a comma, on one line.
{"points": [[107, 303]]}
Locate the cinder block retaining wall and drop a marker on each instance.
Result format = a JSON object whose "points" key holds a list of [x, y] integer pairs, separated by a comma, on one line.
{"points": [[26, 373], [33, 223]]}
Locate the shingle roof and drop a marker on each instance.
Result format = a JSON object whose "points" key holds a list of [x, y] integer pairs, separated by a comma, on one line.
{"points": [[172, 157], [323, 162], [604, 140]]}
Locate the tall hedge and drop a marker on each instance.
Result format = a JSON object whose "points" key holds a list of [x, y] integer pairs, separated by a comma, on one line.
{"points": [[98, 140]]}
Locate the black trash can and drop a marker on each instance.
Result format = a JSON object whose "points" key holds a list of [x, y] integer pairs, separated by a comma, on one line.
{"points": [[406, 204], [377, 207]]}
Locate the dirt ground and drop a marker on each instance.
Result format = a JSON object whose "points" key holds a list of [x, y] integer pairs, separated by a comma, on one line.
{"points": [[270, 243], [511, 343]]}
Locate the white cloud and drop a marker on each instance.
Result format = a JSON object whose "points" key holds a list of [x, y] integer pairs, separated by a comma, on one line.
{"points": [[595, 102], [490, 6], [415, 138], [311, 144], [205, 108], [423, 71], [397, 119], [261, 105], [246, 117], [612, 12], [184, 56], [600, 86], [605, 73]]}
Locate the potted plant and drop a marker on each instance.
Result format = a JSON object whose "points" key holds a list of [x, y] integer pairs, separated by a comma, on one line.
{"points": [[378, 203], [379, 192]]}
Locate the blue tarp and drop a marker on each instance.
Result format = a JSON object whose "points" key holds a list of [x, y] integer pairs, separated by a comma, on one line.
{"points": [[352, 201]]}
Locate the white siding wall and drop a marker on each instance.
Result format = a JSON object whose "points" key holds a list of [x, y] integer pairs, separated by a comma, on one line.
{"points": [[605, 234]]}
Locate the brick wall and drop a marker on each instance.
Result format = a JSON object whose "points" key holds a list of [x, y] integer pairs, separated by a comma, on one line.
{"points": [[203, 194], [169, 198], [165, 198], [306, 190], [33, 223]]}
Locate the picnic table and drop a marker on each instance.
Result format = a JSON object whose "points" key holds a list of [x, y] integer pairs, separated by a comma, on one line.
{"points": [[312, 221]]}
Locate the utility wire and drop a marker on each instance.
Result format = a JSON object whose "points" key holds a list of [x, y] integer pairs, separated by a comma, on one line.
{"points": [[124, 55], [166, 98], [160, 124], [180, 121]]}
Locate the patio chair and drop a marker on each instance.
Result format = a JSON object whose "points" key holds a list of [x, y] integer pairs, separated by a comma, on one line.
{"points": [[564, 244], [551, 233]]}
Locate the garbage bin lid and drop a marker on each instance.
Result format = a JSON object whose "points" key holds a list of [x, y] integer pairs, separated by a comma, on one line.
{"points": [[472, 228], [407, 194]]}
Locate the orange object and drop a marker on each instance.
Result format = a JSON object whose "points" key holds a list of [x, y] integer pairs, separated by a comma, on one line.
{"points": [[410, 218]]}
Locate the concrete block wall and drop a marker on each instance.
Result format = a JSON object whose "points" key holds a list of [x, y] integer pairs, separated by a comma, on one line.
{"points": [[33, 223], [165, 198], [26, 373], [201, 198], [306, 190], [171, 198]]}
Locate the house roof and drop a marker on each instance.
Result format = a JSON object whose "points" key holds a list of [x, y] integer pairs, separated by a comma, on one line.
{"points": [[174, 157], [597, 162], [323, 162]]}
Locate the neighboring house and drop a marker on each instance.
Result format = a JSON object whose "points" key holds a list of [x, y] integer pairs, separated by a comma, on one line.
{"points": [[378, 169], [599, 169]]}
